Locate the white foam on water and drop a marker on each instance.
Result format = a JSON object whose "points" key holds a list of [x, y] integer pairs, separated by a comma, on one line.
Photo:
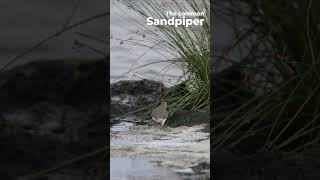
{"points": [[179, 148]]}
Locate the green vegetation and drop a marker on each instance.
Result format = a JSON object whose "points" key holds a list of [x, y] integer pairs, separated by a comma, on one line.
{"points": [[285, 115], [188, 45]]}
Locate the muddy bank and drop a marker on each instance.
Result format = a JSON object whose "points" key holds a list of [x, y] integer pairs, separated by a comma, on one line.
{"points": [[128, 96], [178, 150], [50, 112]]}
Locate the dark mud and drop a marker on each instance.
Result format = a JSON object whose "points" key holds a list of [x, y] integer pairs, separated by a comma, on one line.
{"points": [[51, 112], [129, 96]]}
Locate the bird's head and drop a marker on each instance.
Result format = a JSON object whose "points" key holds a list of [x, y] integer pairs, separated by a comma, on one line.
{"points": [[164, 104]]}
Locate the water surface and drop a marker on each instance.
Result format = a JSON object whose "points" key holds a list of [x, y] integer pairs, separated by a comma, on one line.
{"points": [[177, 150]]}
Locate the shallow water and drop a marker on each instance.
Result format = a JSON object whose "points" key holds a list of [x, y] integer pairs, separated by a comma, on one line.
{"points": [[125, 168], [126, 55], [178, 150]]}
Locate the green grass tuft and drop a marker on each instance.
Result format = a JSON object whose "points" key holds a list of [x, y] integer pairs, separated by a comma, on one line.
{"points": [[285, 117], [188, 45]]}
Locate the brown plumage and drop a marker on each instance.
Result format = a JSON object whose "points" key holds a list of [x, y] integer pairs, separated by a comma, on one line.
{"points": [[160, 113]]}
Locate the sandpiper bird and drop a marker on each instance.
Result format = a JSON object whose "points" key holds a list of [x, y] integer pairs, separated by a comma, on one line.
{"points": [[160, 113]]}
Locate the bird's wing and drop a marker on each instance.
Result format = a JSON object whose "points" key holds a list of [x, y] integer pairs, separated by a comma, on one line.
{"points": [[155, 111], [166, 114]]}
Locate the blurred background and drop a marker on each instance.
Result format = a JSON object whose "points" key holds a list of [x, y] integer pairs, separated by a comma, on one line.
{"points": [[53, 92], [25, 23]]}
